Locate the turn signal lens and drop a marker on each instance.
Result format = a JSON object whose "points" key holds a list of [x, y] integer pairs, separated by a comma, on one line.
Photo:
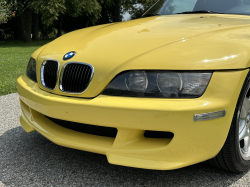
{"points": [[195, 83]]}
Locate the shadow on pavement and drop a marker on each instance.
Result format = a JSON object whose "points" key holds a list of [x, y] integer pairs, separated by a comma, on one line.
{"points": [[32, 160]]}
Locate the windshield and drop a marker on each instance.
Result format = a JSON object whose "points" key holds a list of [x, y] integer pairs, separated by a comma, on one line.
{"points": [[168, 7]]}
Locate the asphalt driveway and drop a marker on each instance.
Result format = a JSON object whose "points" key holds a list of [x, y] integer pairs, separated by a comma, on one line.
{"points": [[32, 160]]}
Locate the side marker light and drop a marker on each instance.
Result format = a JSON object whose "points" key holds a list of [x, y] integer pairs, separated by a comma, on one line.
{"points": [[209, 116]]}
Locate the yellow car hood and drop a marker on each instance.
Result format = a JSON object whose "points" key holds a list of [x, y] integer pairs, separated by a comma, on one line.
{"points": [[177, 42]]}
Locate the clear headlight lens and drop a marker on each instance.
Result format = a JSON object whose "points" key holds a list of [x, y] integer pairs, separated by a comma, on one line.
{"points": [[136, 81], [159, 84], [31, 69], [169, 83]]}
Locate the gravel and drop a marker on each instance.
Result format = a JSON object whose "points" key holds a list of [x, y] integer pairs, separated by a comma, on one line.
{"points": [[32, 160]]}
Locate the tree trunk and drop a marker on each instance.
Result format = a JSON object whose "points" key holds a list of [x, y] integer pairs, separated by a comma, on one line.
{"points": [[59, 29], [15, 29], [20, 25], [87, 23], [117, 11], [28, 26], [35, 27]]}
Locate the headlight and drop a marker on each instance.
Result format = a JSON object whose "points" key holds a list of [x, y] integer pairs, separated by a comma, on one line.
{"points": [[136, 81], [31, 69], [159, 84]]}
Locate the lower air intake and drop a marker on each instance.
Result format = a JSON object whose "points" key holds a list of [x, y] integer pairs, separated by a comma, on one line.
{"points": [[88, 129]]}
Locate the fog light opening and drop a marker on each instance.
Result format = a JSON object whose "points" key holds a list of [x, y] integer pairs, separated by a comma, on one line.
{"points": [[158, 134]]}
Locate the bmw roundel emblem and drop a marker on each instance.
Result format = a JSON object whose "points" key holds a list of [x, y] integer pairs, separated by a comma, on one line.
{"points": [[69, 55]]}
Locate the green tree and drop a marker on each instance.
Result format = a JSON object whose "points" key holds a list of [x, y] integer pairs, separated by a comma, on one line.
{"points": [[51, 10], [5, 11], [24, 16], [30, 12]]}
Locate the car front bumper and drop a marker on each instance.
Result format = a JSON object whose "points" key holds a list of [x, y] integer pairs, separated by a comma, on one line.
{"points": [[193, 142]]}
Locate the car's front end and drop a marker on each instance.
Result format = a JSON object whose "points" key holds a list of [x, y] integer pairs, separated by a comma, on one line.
{"points": [[151, 93], [187, 142]]}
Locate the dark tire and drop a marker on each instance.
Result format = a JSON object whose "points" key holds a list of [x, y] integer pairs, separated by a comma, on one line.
{"points": [[235, 154]]}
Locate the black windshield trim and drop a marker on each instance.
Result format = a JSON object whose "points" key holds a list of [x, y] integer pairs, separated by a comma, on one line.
{"points": [[150, 15], [200, 12]]}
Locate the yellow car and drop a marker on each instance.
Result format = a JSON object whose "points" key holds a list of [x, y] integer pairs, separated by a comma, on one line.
{"points": [[165, 91]]}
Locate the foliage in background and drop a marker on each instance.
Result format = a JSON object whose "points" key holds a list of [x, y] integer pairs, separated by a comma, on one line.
{"points": [[51, 9], [50, 18], [5, 11], [137, 8], [133, 6]]}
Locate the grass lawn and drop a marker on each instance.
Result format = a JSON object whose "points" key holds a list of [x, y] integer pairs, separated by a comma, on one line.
{"points": [[14, 59]]}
